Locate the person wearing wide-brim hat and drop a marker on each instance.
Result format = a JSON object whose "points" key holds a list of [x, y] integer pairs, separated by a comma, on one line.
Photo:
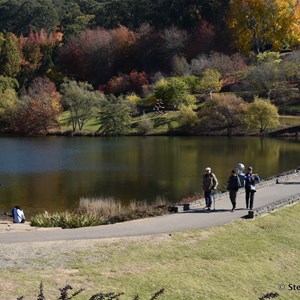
{"points": [[209, 183]]}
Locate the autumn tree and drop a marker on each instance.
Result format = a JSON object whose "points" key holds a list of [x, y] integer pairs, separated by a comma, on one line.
{"points": [[231, 67], [148, 49], [82, 101], [262, 115], [261, 25], [93, 53], [135, 82], [40, 108], [123, 43], [114, 116], [38, 51], [224, 111], [201, 40], [173, 43]]}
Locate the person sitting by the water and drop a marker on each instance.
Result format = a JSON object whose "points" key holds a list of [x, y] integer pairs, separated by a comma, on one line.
{"points": [[18, 215]]}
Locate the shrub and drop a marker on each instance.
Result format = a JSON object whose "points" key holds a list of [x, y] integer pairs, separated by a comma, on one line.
{"points": [[145, 125], [133, 101], [99, 211], [66, 220], [188, 117]]}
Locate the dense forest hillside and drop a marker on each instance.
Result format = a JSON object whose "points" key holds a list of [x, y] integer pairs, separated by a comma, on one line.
{"points": [[87, 60], [73, 16]]}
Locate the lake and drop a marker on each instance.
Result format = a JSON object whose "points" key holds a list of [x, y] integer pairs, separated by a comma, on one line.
{"points": [[52, 173]]}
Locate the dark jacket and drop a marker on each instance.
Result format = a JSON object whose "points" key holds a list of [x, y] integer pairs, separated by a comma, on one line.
{"points": [[234, 183]]}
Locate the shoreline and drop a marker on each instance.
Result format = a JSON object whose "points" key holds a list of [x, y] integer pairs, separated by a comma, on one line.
{"points": [[9, 226]]}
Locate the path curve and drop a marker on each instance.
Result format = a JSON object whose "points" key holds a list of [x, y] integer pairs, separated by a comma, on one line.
{"points": [[268, 194]]}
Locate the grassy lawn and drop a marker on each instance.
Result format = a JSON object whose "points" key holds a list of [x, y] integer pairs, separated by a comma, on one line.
{"points": [[289, 120], [241, 260], [162, 123]]}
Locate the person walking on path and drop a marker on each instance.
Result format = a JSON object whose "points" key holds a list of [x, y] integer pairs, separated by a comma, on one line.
{"points": [[234, 184], [250, 180], [209, 183]]}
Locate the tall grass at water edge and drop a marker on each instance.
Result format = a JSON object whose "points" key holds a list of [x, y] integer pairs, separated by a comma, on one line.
{"points": [[100, 211]]}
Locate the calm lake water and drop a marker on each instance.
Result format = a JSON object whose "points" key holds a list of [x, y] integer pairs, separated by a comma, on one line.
{"points": [[52, 173]]}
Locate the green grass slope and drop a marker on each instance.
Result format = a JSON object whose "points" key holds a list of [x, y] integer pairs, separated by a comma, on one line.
{"points": [[242, 260]]}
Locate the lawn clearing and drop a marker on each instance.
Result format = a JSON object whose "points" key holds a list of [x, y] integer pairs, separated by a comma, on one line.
{"points": [[241, 260]]}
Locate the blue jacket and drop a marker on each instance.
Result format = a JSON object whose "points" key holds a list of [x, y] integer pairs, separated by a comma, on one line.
{"points": [[250, 179]]}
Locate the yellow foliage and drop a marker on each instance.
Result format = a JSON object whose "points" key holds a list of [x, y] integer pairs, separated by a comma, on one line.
{"points": [[262, 114], [9, 103], [265, 24], [133, 98]]}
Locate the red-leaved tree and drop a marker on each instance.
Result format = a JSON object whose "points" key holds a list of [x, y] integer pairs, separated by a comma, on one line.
{"points": [[39, 109], [123, 84]]}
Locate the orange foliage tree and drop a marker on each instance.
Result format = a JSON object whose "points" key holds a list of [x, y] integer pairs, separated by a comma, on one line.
{"points": [[37, 50]]}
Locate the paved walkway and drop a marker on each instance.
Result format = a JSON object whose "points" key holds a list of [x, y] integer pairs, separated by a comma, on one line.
{"points": [[289, 187]]}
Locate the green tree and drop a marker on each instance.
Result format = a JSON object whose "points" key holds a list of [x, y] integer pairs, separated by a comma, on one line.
{"points": [[262, 114], [8, 83], [114, 116], [21, 16], [81, 101], [209, 82], [174, 91], [10, 55], [9, 104]]}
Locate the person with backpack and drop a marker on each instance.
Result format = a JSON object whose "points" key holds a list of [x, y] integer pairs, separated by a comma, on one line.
{"points": [[18, 215], [209, 183], [234, 184]]}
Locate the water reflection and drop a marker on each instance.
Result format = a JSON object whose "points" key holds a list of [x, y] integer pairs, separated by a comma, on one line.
{"points": [[52, 173]]}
